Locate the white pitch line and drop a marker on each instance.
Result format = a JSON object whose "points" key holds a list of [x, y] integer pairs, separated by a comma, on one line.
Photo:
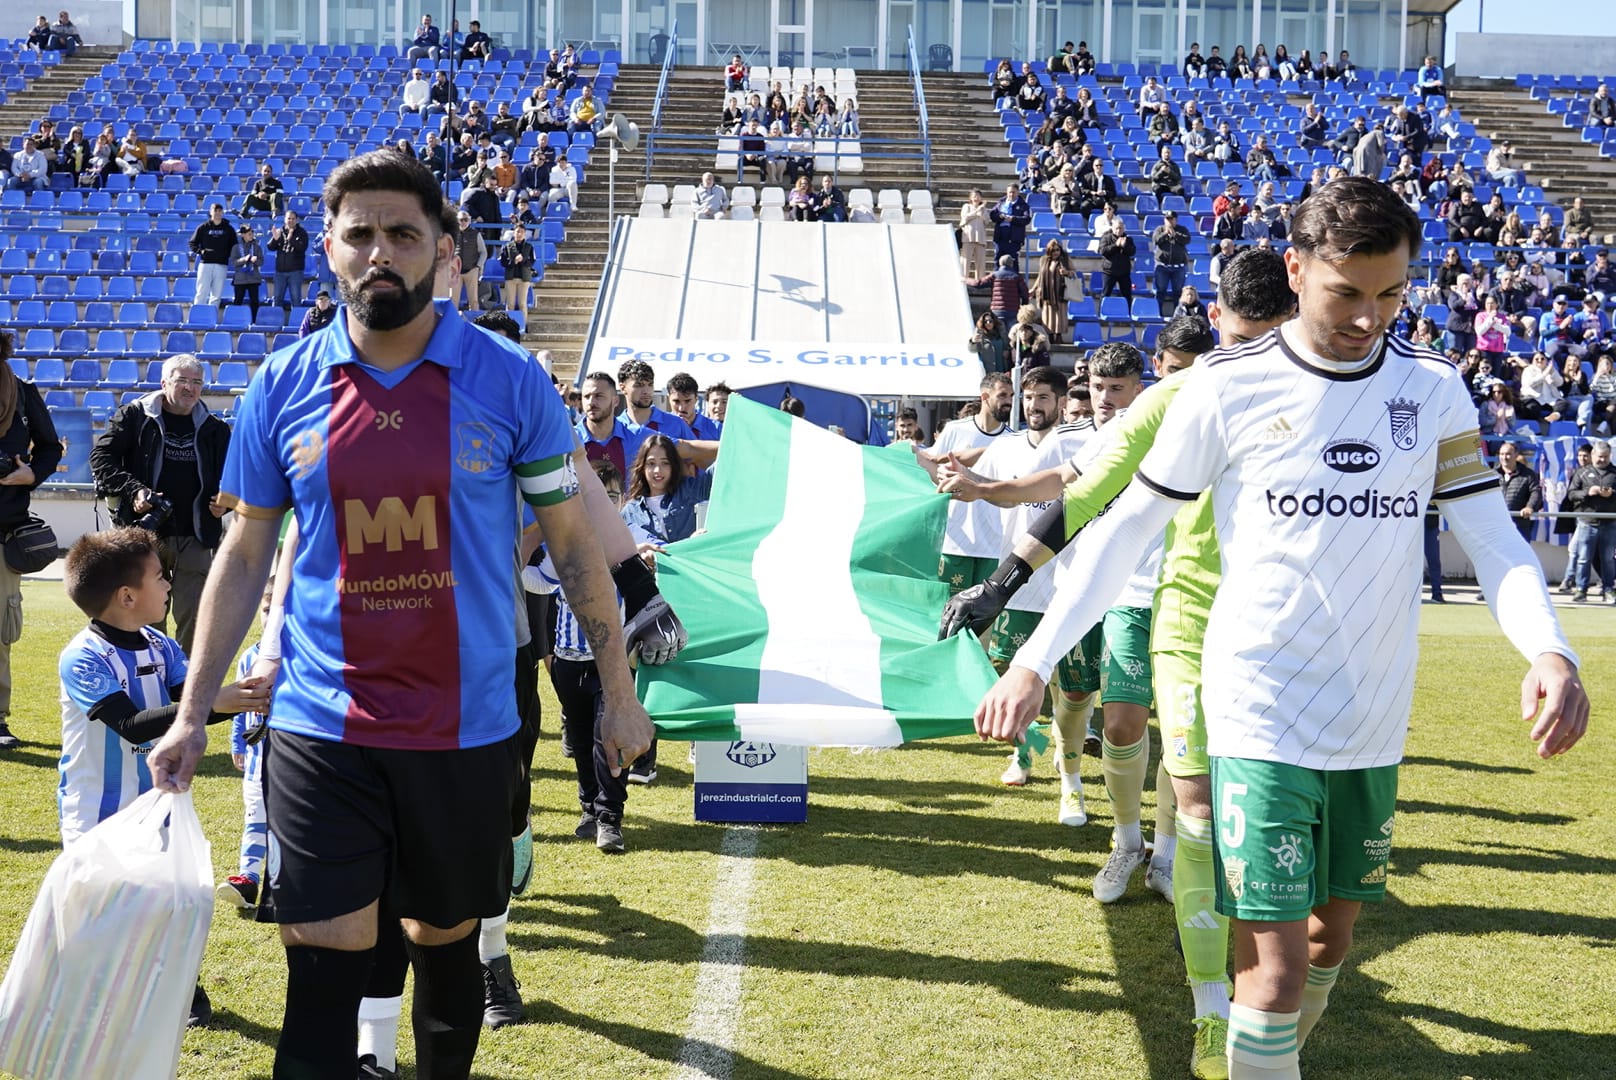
{"points": [[708, 1050]]}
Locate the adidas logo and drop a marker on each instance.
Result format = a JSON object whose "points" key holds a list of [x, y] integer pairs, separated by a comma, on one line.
{"points": [[1377, 876], [1203, 920], [1278, 431]]}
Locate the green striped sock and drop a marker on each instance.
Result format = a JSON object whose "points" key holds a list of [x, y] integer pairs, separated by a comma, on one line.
{"points": [[1262, 1045], [1315, 996]]}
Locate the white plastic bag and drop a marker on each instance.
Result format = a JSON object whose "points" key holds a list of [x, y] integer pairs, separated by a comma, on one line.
{"points": [[101, 982]]}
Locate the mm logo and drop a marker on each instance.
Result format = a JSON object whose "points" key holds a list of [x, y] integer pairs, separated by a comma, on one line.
{"points": [[392, 524], [1351, 456]]}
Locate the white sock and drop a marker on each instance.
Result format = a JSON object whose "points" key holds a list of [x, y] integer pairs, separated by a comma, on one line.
{"points": [[1127, 837], [491, 937], [1211, 998], [1163, 849], [1070, 781], [378, 1029]]}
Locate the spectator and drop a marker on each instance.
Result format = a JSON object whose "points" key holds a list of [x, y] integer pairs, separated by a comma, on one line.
{"points": [[517, 259], [477, 45], [536, 110], [505, 127], [1593, 490], [1065, 60], [1315, 127], [1369, 156], [1578, 221], [1405, 134], [1261, 162], [1465, 218], [1164, 129], [1117, 251], [1304, 66], [1166, 178], [709, 201], [1344, 70], [1589, 328], [1284, 66], [1575, 526], [75, 154], [1499, 167], [990, 344], [1097, 188], [1262, 68], [1347, 142], [132, 154], [442, 97], [1010, 218], [1064, 196], [1086, 109], [533, 180], [847, 121], [800, 201], [1602, 108], [247, 269], [321, 315], [1050, 289], [211, 243], [973, 233], [1513, 295], [290, 243], [1600, 410], [417, 93], [1030, 95], [1197, 142], [1084, 59], [1028, 346], [1189, 305], [1195, 63], [505, 177], [558, 74], [426, 45], [1005, 82], [1010, 290], [1463, 305], [1600, 278], [736, 73], [47, 143], [1492, 331], [564, 183], [1220, 259], [830, 204], [267, 194], [30, 168], [1540, 397], [64, 36], [1169, 244], [799, 153], [1152, 96], [39, 37], [1062, 107], [162, 457], [1225, 145], [1429, 81], [1498, 411], [754, 151], [1239, 64]]}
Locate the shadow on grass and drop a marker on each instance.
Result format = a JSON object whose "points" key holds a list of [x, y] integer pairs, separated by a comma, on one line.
{"points": [[1486, 813], [31, 846], [660, 1045], [1468, 766], [598, 925], [39, 759]]}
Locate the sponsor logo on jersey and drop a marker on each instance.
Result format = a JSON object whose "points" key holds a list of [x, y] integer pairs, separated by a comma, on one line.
{"points": [[1404, 417], [1288, 854], [1351, 455], [392, 524], [1279, 431], [1181, 747], [750, 755], [1373, 504]]}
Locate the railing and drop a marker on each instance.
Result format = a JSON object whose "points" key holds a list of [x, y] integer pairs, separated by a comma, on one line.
{"points": [[650, 135], [920, 104]]}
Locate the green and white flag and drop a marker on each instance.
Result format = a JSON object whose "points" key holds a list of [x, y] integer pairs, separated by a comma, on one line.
{"points": [[812, 599]]}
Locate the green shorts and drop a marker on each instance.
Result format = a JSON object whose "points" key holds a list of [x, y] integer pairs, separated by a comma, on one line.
{"points": [[1125, 657], [1011, 631], [1290, 838], [963, 571], [1178, 704], [1084, 661]]}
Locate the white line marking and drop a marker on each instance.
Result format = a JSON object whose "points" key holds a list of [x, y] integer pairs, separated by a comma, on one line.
{"points": [[708, 1050]]}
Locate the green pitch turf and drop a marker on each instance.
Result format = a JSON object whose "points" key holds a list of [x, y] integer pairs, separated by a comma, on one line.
{"points": [[928, 923]]}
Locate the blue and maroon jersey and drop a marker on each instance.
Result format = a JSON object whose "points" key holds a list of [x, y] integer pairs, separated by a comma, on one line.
{"points": [[406, 488], [660, 421], [620, 448]]}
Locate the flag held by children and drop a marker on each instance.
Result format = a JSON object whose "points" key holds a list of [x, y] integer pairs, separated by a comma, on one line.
{"points": [[812, 598]]}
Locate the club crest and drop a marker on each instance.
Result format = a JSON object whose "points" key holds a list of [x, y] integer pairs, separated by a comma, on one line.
{"points": [[750, 754], [1404, 416]]}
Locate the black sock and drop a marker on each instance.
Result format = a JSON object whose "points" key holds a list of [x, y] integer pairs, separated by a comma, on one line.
{"points": [[390, 964], [447, 1013], [320, 1033]]}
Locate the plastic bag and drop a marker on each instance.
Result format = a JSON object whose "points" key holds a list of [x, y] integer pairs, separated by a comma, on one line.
{"points": [[101, 982]]}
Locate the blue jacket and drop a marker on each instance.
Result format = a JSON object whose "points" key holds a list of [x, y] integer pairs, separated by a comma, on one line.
{"points": [[677, 518]]}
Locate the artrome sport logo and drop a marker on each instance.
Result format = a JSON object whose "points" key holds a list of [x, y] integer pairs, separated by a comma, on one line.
{"points": [[1351, 456]]}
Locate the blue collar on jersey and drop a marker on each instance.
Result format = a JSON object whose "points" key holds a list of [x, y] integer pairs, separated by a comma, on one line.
{"points": [[445, 348], [620, 430]]}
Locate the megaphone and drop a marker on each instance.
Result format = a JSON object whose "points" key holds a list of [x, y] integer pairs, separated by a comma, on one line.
{"points": [[624, 130]]}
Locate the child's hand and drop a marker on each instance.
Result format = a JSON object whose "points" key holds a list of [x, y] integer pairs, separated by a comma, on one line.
{"points": [[248, 695], [239, 761]]}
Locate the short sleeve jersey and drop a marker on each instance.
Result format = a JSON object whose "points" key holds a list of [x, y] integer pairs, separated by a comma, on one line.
{"points": [[620, 447], [1014, 456], [974, 528], [100, 772], [1319, 480], [405, 485], [660, 421]]}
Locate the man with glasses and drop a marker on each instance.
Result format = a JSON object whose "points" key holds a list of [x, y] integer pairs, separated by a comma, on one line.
{"points": [[161, 459]]}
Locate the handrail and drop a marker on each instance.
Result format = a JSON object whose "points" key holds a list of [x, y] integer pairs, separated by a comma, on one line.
{"points": [[920, 103], [661, 97]]}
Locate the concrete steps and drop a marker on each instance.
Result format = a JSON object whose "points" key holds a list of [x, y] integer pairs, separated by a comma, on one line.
{"points": [[23, 111]]}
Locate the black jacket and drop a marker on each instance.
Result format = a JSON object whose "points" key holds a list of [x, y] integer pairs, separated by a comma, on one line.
{"points": [[33, 436], [1592, 476], [213, 242], [291, 250], [129, 456]]}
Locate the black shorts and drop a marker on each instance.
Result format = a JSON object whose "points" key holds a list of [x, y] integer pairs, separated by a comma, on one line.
{"points": [[427, 829], [541, 617]]}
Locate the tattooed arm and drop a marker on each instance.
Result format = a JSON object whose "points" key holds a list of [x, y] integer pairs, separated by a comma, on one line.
{"points": [[575, 550]]}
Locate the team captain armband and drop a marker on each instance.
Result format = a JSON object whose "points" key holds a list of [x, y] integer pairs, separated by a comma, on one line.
{"points": [[548, 481], [1460, 469]]}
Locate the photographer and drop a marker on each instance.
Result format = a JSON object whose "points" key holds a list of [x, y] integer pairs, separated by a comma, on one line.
{"points": [[162, 457], [29, 454]]}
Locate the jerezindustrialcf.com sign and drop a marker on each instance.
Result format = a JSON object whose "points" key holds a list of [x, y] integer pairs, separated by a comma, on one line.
{"points": [[915, 368]]}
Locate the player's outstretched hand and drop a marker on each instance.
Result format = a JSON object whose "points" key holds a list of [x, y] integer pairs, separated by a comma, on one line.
{"points": [[956, 480], [1011, 706], [625, 734], [1553, 693], [249, 695], [973, 609]]}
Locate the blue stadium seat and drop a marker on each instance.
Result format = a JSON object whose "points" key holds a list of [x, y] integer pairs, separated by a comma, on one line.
{"points": [[233, 375], [61, 399], [72, 343], [98, 313], [37, 342], [216, 345], [178, 341], [202, 317], [236, 317], [124, 372], [86, 373], [111, 344], [61, 314], [49, 371], [102, 404], [21, 287]]}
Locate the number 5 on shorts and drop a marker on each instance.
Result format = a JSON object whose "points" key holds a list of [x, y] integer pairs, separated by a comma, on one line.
{"points": [[1233, 818]]}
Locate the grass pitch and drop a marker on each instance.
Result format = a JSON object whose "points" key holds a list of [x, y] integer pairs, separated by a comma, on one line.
{"points": [[929, 923]]}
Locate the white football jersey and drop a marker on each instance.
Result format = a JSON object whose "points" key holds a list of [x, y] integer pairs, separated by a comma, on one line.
{"points": [[1319, 482], [1015, 456], [973, 527]]}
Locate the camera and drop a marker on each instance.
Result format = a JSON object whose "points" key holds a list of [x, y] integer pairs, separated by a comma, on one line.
{"points": [[157, 515]]}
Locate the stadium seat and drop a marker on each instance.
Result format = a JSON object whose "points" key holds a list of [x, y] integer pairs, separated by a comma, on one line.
{"points": [[109, 345], [233, 376], [123, 373], [131, 316], [49, 371], [72, 343], [216, 345], [101, 403]]}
